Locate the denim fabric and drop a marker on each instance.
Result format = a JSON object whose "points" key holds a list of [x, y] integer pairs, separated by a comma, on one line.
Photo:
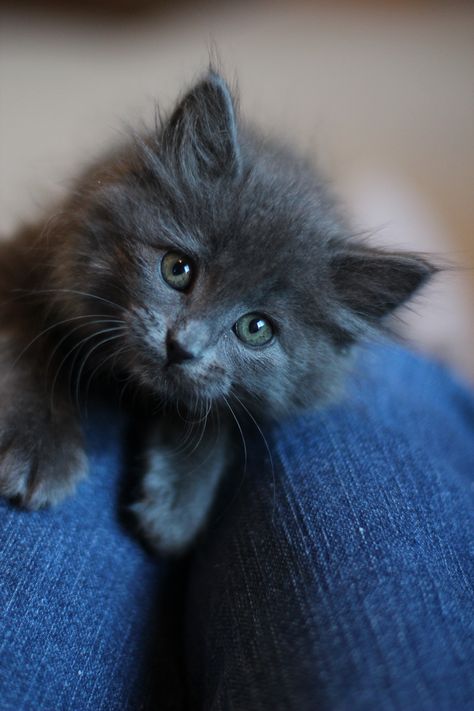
{"points": [[345, 582], [79, 599], [340, 578]]}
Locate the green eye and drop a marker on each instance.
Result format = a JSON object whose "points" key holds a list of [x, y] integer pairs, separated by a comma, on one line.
{"points": [[177, 270], [254, 329]]}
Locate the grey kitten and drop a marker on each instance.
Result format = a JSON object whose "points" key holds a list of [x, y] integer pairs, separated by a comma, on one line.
{"points": [[208, 268]]}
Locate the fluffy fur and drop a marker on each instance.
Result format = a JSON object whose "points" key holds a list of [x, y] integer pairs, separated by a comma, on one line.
{"points": [[83, 302]]}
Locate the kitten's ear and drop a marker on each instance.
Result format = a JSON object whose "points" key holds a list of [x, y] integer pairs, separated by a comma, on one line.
{"points": [[373, 283], [202, 131]]}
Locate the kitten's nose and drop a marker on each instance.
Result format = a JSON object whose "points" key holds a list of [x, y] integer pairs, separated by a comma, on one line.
{"points": [[175, 352], [186, 342]]}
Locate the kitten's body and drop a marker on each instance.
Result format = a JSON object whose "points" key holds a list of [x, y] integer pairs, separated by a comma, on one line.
{"points": [[86, 299]]}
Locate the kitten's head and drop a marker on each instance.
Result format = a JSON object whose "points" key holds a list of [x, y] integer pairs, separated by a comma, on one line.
{"points": [[229, 263]]}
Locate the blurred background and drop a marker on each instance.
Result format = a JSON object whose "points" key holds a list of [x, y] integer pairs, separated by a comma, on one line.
{"points": [[381, 94]]}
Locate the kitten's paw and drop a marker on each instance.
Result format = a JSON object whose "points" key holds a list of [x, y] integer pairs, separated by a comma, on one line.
{"points": [[177, 495], [41, 458], [165, 529]]}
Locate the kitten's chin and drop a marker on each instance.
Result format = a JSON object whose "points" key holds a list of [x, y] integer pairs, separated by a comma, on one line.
{"points": [[173, 383], [189, 387]]}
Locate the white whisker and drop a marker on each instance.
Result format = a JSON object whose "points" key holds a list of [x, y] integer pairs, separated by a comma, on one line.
{"points": [[72, 291], [75, 347], [272, 466], [102, 319], [49, 328], [91, 351]]}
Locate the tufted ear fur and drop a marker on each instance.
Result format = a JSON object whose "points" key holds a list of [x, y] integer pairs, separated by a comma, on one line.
{"points": [[372, 283], [202, 131]]}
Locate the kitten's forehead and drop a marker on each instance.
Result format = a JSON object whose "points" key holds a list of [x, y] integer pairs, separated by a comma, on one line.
{"points": [[263, 255], [239, 281]]}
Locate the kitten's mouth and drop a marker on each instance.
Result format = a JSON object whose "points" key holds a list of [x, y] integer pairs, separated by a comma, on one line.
{"points": [[189, 378], [203, 383]]}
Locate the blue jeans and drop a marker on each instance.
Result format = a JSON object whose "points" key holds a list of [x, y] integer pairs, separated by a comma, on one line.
{"points": [[340, 578]]}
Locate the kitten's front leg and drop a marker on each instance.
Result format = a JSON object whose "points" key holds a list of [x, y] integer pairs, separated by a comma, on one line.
{"points": [[180, 483], [41, 450]]}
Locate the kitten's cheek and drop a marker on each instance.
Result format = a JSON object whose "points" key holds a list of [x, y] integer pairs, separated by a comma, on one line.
{"points": [[146, 334]]}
